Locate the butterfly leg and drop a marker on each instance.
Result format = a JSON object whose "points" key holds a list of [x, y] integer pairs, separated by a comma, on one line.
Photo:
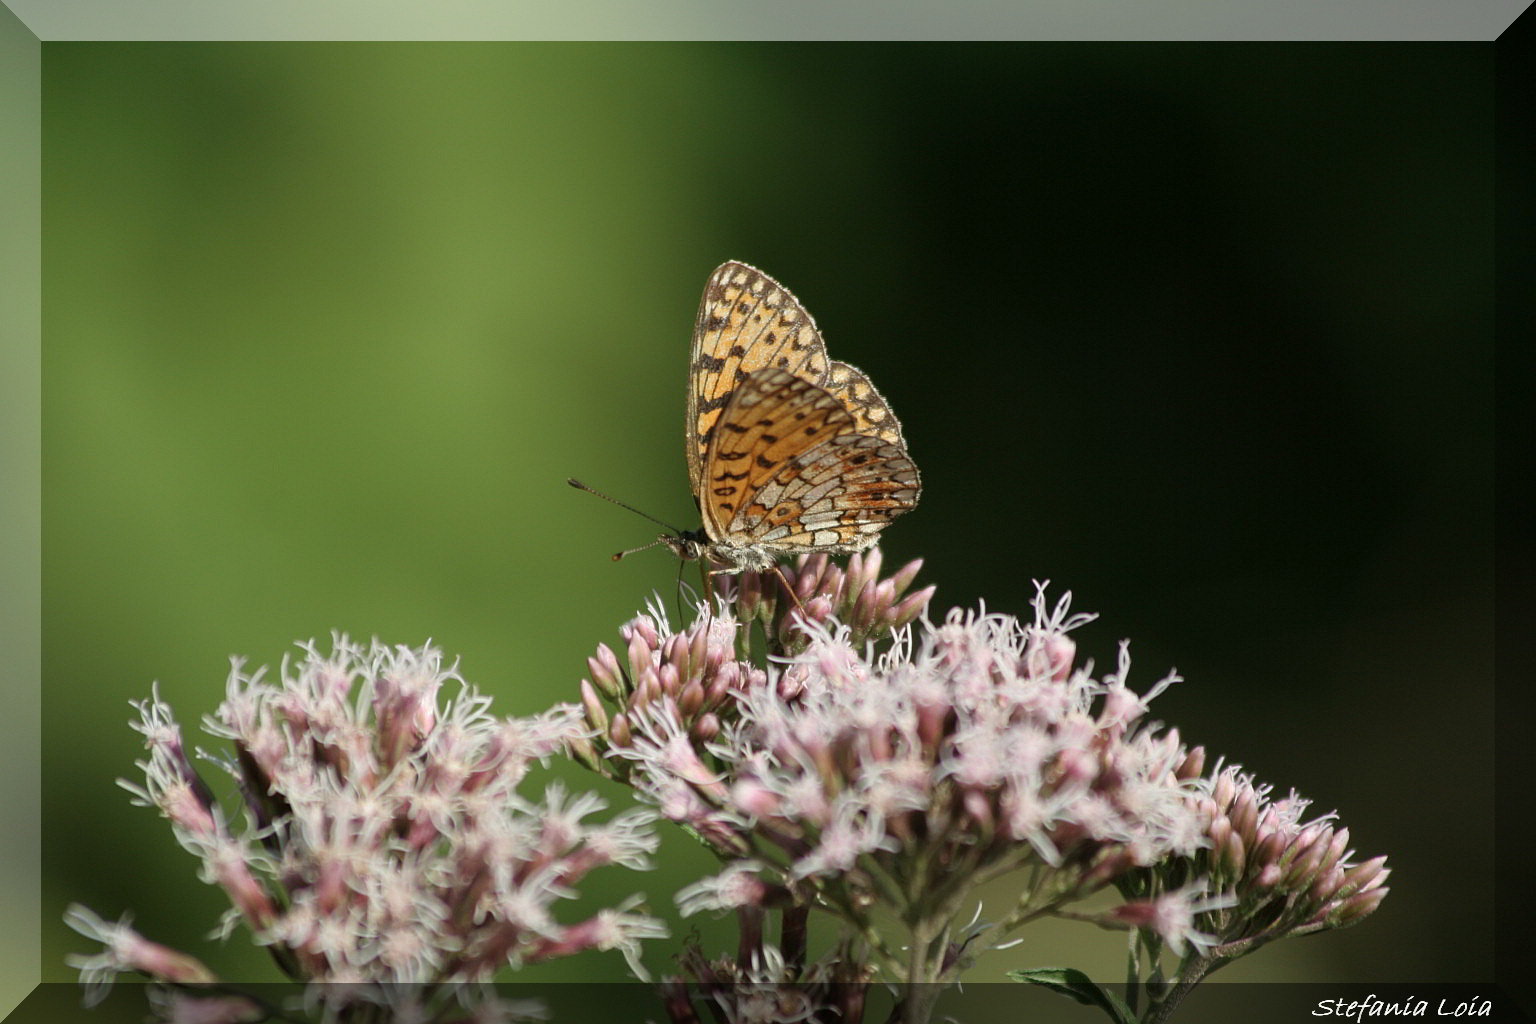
{"points": [[707, 576], [789, 589]]}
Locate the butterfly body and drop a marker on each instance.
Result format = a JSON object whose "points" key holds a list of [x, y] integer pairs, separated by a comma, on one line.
{"points": [[788, 451]]}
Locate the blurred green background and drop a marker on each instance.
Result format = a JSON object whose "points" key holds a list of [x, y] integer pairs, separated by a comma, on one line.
{"points": [[1200, 333]]}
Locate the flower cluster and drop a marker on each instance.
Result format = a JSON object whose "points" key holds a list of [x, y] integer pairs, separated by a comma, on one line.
{"points": [[850, 759], [384, 840], [897, 783], [1262, 874], [700, 669], [882, 784], [816, 590], [1281, 876]]}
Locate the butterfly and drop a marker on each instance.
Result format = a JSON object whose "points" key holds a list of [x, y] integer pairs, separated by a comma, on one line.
{"points": [[788, 452]]}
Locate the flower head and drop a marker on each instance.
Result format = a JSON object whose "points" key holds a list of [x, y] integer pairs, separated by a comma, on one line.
{"points": [[819, 590], [124, 950], [843, 778], [384, 838], [1287, 874]]}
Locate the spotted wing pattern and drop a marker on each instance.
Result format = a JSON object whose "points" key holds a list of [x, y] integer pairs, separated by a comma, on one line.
{"points": [[788, 451], [870, 413], [747, 321], [790, 471]]}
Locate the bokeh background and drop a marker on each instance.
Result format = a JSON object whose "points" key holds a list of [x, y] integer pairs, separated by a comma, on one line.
{"points": [[1200, 333]]}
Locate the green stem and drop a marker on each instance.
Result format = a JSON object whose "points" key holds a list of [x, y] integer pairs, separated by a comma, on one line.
{"points": [[1192, 973]]}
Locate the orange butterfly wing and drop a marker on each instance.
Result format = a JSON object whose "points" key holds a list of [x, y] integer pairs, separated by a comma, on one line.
{"points": [[790, 470], [747, 321], [787, 450]]}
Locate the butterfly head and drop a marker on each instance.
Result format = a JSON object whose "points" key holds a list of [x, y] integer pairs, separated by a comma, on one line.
{"points": [[686, 544]]}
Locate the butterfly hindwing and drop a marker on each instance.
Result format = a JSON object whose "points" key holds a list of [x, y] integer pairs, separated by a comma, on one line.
{"points": [[790, 470], [837, 496], [870, 413], [770, 420]]}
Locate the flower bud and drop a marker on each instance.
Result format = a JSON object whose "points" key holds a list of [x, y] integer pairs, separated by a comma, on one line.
{"points": [[606, 675], [1357, 907], [618, 731], [596, 715]]}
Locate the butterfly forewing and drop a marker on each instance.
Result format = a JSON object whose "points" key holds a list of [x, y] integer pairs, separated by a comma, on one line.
{"points": [[747, 321]]}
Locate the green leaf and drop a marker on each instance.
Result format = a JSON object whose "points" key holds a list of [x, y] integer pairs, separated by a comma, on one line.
{"points": [[1074, 983]]}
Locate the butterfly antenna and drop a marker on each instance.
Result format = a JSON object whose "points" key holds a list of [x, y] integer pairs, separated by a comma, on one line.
{"points": [[583, 487], [630, 551]]}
